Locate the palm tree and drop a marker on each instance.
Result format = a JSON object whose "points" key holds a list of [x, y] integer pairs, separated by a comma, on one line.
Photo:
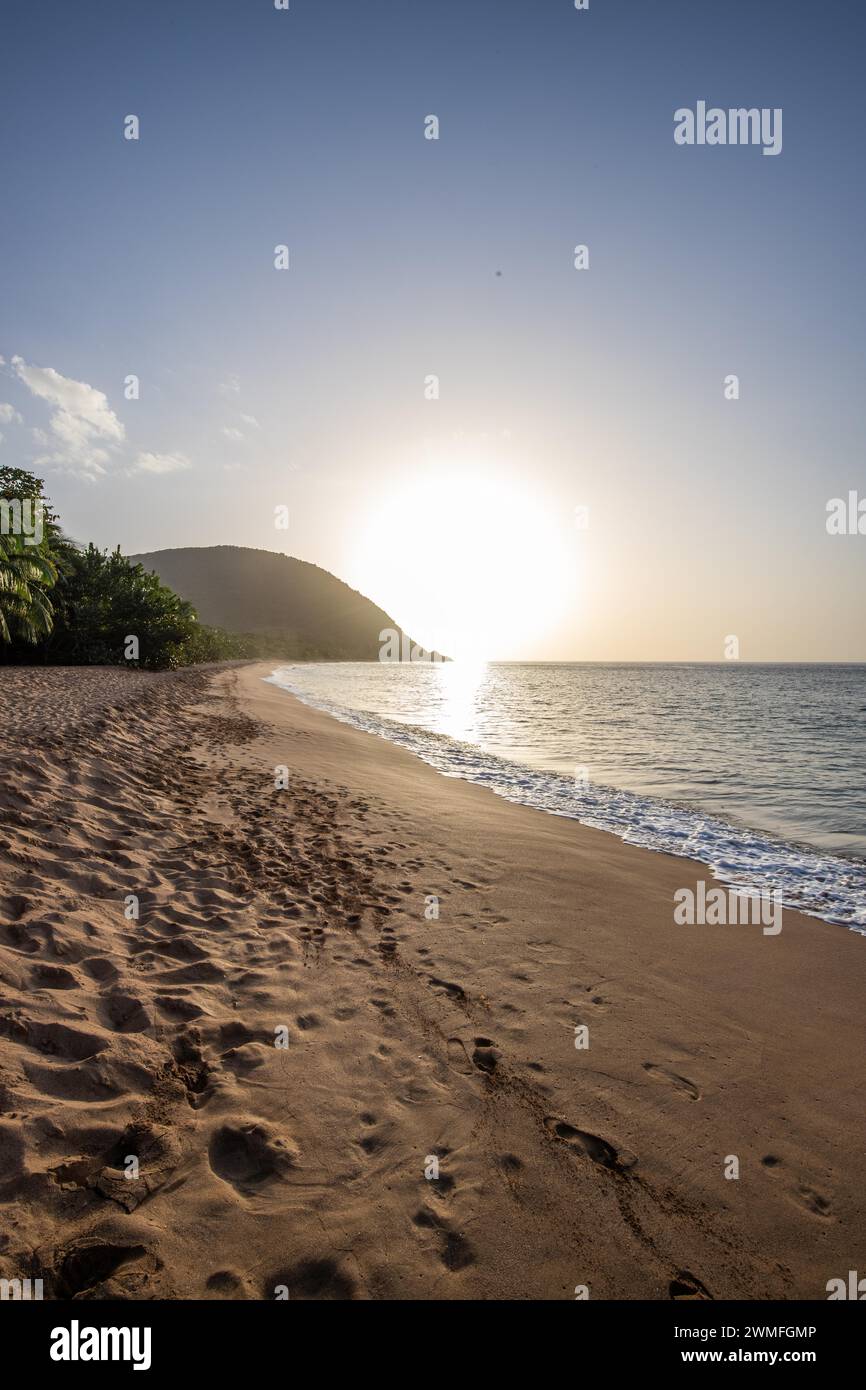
{"points": [[26, 572]]}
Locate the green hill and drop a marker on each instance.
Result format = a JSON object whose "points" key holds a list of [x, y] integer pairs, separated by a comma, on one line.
{"points": [[299, 610]]}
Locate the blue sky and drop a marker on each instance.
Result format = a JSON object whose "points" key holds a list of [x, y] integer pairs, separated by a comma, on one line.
{"points": [[558, 388]]}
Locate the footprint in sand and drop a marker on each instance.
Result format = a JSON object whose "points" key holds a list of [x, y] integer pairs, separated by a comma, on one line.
{"points": [[599, 1150], [158, 1150], [306, 1022], [246, 1058], [454, 992], [813, 1200], [589, 1000], [22, 939], [385, 1007], [46, 976], [101, 968], [226, 1281], [387, 944], [510, 1163], [681, 1084], [443, 1186], [458, 1057], [124, 1013], [175, 1008], [804, 1194], [311, 1279], [369, 1143], [486, 1055], [13, 907], [54, 1039], [687, 1287], [250, 1156], [455, 1252], [83, 1268]]}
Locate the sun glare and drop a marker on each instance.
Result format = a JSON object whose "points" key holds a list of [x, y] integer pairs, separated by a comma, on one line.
{"points": [[472, 565]]}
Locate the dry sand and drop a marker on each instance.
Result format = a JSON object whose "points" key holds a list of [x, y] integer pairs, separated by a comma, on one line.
{"points": [[304, 909]]}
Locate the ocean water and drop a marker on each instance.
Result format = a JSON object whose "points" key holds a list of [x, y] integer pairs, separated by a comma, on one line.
{"points": [[759, 772]]}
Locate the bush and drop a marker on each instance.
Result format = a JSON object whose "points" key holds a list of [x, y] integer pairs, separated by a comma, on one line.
{"points": [[101, 602]]}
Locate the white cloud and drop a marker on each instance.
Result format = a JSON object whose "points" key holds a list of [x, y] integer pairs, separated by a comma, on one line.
{"points": [[80, 416], [230, 387], [84, 435], [232, 432], [161, 463]]}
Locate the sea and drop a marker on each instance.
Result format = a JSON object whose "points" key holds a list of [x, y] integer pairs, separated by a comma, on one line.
{"points": [[757, 771]]}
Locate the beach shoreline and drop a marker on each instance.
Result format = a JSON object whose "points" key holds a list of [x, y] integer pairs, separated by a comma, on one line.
{"points": [[304, 914]]}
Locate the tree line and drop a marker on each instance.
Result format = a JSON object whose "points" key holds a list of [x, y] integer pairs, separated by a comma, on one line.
{"points": [[63, 603]]}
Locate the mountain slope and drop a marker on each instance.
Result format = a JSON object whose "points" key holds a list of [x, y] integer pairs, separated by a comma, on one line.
{"points": [[258, 591]]}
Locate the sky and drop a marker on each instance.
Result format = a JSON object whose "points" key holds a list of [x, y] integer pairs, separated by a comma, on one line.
{"points": [[581, 488]]}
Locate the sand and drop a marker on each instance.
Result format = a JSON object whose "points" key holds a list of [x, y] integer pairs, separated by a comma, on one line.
{"points": [[413, 1045]]}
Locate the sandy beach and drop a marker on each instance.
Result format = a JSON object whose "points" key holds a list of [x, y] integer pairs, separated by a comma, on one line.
{"points": [[151, 1044]]}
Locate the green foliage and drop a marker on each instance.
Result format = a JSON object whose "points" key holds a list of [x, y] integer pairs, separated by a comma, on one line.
{"points": [[69, 605], [27, 570], [26, 575], [102, 601]]}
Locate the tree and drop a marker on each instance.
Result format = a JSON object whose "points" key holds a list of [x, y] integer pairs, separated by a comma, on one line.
{"points": [[27, 566], [98, 600], [103, 601]]}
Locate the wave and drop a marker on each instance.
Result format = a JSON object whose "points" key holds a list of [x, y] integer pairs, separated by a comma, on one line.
{"points": [[826, 886]]}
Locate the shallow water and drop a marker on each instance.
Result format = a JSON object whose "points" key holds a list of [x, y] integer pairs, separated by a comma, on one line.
{"points": [[757, 771]]}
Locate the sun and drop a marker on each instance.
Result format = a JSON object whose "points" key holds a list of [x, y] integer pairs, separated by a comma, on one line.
{"points": [[472, 564]]}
